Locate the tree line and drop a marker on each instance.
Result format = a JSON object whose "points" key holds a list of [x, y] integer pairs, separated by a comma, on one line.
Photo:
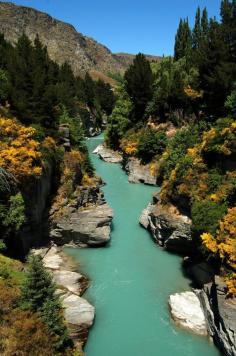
{"points": [[37, 88]]}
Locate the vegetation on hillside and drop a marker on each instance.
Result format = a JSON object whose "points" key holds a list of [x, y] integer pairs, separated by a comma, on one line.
{"points": [[179, 114], [38, 100]]}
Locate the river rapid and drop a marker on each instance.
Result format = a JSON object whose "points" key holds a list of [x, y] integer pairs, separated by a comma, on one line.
{"points": [[131, 280]]}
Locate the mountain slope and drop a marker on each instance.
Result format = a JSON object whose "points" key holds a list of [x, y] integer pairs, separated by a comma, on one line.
{"points": [[64, 43]]}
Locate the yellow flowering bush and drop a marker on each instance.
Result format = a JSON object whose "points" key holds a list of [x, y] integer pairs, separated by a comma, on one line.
{"points": [[223, 245], [19, 153]]}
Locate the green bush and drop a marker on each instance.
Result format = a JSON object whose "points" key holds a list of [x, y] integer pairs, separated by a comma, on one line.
{"points": [[151, 143], [76, 129], [15, 216], [118, 122], [177, 147], [214, 180], [206, 215]]}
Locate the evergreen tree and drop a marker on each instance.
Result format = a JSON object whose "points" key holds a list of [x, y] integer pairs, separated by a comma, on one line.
{"points": [[38, 295], [183, 40], [228, 19], [138, 84], [204, 23], [89, 90], [197, 33], [105, 96], [38, 286]]}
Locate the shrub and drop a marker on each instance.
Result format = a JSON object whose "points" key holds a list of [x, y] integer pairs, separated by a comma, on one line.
{"points": [[206, 215], [151, 143], [19, 153], [15, 216]]}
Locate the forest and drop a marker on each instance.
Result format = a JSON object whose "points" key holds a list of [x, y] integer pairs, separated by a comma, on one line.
{"points": [[177, 114]]}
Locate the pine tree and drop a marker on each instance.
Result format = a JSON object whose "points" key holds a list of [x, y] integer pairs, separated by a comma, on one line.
{"points": [[38, 295], [89, 90], [197, 33], [138, 84], [38, 286], [52, 316], [183, 40], [204, 23], [105, 96]]}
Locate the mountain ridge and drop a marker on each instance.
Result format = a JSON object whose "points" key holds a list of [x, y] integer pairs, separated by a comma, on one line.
{"points": [[63, 41]]}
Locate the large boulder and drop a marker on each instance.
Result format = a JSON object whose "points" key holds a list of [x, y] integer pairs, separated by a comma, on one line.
{"points": [[79, 315], [186, 311], [108, 155], [220, 313], [169, 228], [69, 280], [138, 172], [84, 226]]}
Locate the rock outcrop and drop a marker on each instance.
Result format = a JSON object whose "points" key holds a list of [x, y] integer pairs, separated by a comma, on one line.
{"points": [[84, 221], [172, 230], [220, 313], [108, 155], [139, 173], [169, 228], [78, 312], [187, 312]]}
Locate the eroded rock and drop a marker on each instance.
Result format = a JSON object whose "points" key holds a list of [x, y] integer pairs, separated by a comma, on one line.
{"points": [[139, 173], [186, 311], [169, 228], [84, 226], [220, 313]]}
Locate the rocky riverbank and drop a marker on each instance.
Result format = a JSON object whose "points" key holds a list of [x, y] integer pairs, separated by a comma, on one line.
{"points": [[169, 228], [137, 172], [83, 221], [217, 313], [78, 312]]}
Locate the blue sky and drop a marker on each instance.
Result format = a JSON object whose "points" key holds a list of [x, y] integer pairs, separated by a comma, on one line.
{"points": [[147, 26]]}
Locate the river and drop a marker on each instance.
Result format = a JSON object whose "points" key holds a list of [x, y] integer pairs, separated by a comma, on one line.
{"points": [[131, 280]]}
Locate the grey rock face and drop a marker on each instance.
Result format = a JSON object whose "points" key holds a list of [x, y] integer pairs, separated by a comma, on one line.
{"points": [[85, 221], [108, 155], [139, 173], [87, 226], [171, 231], [220, 313]]}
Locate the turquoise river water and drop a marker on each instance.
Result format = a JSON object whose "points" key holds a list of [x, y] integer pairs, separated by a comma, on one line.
{"points": [[131, 280]]}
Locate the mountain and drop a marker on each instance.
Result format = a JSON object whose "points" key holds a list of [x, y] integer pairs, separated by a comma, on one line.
{"points": [[64, 43]]}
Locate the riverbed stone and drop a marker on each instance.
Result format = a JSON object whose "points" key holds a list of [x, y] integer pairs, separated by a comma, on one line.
{"points": [[186, 311], [107, 154]]}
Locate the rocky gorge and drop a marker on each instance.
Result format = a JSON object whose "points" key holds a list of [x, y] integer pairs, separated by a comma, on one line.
{"points": [[172, 231], [137, 172], [205, 310]]}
